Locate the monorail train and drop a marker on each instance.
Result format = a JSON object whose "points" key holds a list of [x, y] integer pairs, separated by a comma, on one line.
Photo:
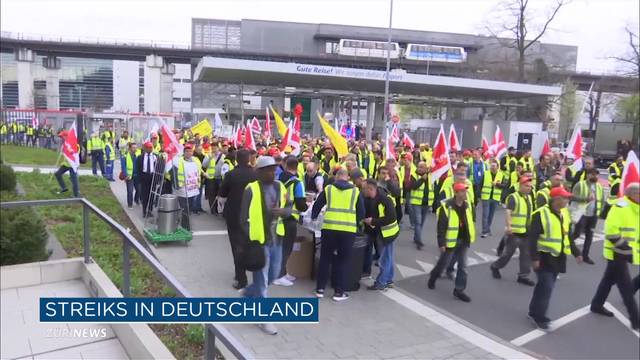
{"points": [[418, 52]]}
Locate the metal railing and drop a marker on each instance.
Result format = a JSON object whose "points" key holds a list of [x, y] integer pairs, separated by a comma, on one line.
{"points": [[212, 331], [96, 40]]}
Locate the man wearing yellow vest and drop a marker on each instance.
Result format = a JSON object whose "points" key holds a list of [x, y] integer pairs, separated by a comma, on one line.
{"points": [[456, 232], [615, 169], [517, 216], [95, 146], [420, 200], [490, 194], [549, 245], [589, 197], [130, 177], [296, 196], [542, 195], [187, 184], [110, 158], [621, 245], [381, 226], [345, 211], [264, 205]]}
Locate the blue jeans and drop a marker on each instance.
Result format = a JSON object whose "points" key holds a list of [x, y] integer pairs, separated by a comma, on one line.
{"points": [[488, 209], [130, 188], [418, 214], [460, 254], [197, 204], [386, 265], [109, 170], [74, 179], [541, 295], [270, 272]]}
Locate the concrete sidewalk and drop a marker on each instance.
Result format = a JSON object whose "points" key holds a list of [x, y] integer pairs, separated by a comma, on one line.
{"points": [[369, 325]]}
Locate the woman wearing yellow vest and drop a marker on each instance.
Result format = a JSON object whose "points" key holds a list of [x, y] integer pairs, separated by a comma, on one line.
{"points": [[456, 232], [264, 205], [549, 245], [380, 225], [621, 245]]}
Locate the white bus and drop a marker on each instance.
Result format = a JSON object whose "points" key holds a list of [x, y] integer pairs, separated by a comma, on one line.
{"points": [[438, 53], [366, 48]]}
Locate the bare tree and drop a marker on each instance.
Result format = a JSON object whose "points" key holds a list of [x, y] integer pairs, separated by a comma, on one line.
{"points": [[631, 60], [516, 26]]}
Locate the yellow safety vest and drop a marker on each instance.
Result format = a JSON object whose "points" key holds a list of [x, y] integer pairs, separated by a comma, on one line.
{"points": [[453, 225], [620, 227], [211, 169], [545, 192], [519, 220], [618, 172], [157, 148], [112, 155], [391, 230], [614, 198], [129, 164], [181, 170], [341, 209], [290, 186], [30, 131], [230, 163], [95, 143], [555, 235], [401, 177], [583, 192], [447, 189], [416, 196], [257, 227], [487, 185]]}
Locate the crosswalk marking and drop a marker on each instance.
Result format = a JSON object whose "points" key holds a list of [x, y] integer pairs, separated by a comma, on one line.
{"points": [[425, 266], [407, 272], [532, 335], [210, 232]]}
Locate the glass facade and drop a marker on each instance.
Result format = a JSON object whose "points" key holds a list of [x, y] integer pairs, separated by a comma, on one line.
{"points": [[83, 83]]}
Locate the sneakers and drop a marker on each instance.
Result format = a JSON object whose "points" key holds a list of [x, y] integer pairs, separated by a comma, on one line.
{"points": [[377, 287], [390, 284], [542, 325], [461, 296], [238, 286], [320, 293], [496, 273], [601, 311], [62, 191], [526, 281], [283, 281], [290, 277], [365, 276], [340, 297], [484, 235], [269, 329]]}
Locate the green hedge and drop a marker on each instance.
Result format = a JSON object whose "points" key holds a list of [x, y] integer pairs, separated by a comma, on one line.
{"points": [[23, 237], [7, 178]]}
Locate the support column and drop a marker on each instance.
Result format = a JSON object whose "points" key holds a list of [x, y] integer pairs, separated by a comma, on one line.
{"points": [[52, 66], [24, 58], [371, 110], [158, 85]]}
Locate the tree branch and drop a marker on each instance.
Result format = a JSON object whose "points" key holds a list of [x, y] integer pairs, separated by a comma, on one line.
{"points": [[559, 5]]}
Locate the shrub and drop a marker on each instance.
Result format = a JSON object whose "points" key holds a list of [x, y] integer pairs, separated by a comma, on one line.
{"points": [[7, 178], [23, 237]]}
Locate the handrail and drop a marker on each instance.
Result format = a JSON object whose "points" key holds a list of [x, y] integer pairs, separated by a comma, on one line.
{"points": [[212, 331]]}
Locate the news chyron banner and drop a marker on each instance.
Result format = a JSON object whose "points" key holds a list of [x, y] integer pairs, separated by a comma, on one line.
{"points": [[179, 310]]}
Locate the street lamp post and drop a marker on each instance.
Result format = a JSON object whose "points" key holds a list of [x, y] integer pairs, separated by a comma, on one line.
{"points": [[386, 80]]}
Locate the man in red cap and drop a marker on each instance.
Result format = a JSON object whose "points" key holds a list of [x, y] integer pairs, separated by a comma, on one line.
{"points": [[187, 177], [145, 168], [455, 233], [549, 245], [66, 166], [517, 215]]}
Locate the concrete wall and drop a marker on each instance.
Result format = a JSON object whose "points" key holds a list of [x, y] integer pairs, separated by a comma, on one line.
{"points": [[182, 88], [125, 85]]}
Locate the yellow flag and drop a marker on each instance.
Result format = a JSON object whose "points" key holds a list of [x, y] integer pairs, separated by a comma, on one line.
{"points": [[282, 127], [338, 142]]}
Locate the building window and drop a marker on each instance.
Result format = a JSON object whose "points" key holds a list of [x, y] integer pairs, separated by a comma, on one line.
{"points": [[186, 80], [331, 47], [176, 99], [186, 99], [176, 80]]}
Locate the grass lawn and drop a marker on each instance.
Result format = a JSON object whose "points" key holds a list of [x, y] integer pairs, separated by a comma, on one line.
{"points": [[22, 155], [184, 341]]}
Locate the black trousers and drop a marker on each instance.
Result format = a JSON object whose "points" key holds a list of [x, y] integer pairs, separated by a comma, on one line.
{"points": [[335, 250], [290, 233], [617, 272], [145, 193], [211, 187], [586, 224], [237, 240]]}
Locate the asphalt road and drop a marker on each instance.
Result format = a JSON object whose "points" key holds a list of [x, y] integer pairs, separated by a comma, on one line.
{"points": [[500, 306]]}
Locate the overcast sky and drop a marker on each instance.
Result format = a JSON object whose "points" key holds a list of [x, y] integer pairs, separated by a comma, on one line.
{"points": [[595, 26]]}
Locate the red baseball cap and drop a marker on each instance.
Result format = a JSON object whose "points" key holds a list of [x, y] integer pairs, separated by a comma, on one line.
{"points": [[148, 144], [188, 146], [206, 146], [261, 151], [63, 133], [459, 186], [408, 156], [466, 153], [559, 191], [525, 179]]}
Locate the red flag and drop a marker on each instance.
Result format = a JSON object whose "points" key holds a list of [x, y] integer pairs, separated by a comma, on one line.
{"points": [[631, 172], [406, 141], [286, 139], [70, 148], [249, 142], [255, 125], [395, 134], [267, 127], [172, 146], [441, 161], [485, 145], [575, 149], [498, 146], [454, 143], [389, 148], [294, 140], [239, 136], [546, 149]]}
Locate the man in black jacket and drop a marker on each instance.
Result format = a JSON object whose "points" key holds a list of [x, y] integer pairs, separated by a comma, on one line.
{"points": [[145, 167], [231, 192], [380, 226]]}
